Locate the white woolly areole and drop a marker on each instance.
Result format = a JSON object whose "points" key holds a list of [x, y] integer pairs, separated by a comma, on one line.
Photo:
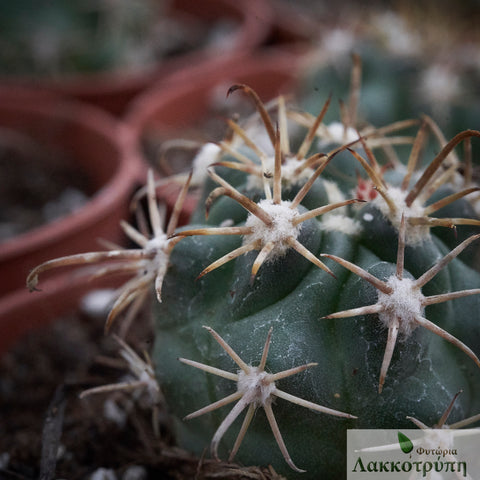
{"points": [[255, 384], [439, 438], [279, 231], [142, 372], [398, 38], [340, 223], [207, 155], [258, 134], [338, 42], [158, 245], [405, 303], [335, 132], [334, 193], [415, 234], [439, 84], [336, 220], [159, 242], [289, 175], [151, 385]]}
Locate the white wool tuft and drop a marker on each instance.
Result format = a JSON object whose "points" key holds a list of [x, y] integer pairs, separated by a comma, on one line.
{"points": [[341, 223], [333, 192], [338, 42], [404, 303], [207, 155], [157, 244], [289, 175], [396, 35], [256, 385], [258, 134], [439, 84], [335, 132], [415, 234], [281, 229], [439, 438]]}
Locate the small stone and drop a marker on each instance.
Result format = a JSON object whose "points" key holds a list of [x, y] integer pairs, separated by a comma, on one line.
{"points": [[135, 472], [103, 474]]}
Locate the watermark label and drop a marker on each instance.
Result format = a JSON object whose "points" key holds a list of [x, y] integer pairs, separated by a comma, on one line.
{"points": [[411, 454]]}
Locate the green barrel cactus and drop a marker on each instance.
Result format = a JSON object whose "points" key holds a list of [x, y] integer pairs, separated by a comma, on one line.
{"points": [[331, 286], [323, 284], [395, 87]]}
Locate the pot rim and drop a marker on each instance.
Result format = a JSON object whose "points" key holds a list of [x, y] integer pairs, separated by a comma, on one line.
{"points": [[255, 21], [121, 183]]}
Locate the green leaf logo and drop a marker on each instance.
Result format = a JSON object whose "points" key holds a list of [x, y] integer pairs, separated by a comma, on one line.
{"points": [[405, 443]]}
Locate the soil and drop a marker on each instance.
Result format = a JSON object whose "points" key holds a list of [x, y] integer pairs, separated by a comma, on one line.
{"points": [[38, 185], [48, 432]]}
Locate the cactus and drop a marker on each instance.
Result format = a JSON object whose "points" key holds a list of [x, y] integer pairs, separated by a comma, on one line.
{"points": [[276, 254], [397, 86], [311, 273]]}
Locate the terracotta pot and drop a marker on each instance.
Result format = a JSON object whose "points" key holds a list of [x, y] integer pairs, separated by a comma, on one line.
{"points": [[99, 146], [293, 27], [174, 106], [23, 311], [114, 90]]}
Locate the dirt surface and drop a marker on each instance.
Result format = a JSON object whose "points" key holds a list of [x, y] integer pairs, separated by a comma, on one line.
{"points": [[64, 359]]}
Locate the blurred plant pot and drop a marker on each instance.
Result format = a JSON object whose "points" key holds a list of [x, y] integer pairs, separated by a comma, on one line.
{"points": [[247, 24], [22, 311], [294, 26], [179, 109], [100, 148]]}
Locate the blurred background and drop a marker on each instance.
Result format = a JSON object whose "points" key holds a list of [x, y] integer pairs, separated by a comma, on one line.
{"points": [[93, 92]]}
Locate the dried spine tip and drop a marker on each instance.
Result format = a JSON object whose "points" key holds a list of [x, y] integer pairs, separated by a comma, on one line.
{"points": [[255, 388]]}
